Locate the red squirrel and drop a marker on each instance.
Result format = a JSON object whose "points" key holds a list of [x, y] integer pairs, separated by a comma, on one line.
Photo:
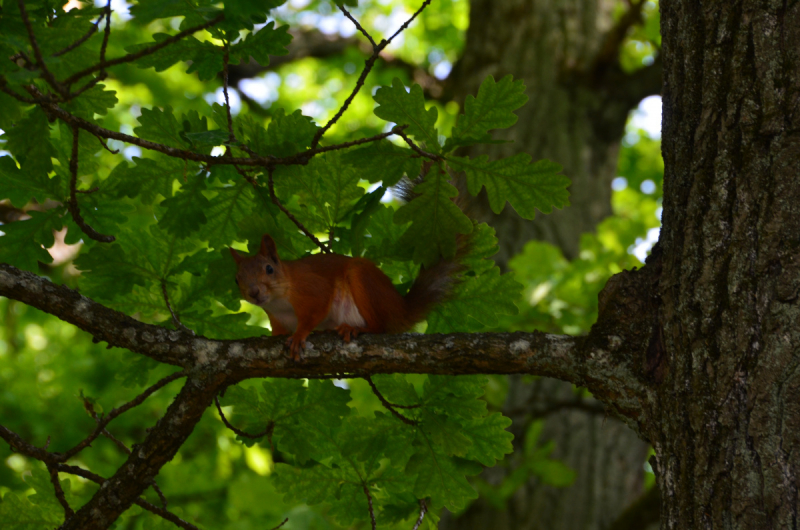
{"points": [[332, 291]]}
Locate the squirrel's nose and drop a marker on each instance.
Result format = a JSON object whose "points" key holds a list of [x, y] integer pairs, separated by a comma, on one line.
{"points": [[254, 294]]}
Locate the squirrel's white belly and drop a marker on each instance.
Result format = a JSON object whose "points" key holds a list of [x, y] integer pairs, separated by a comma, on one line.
{"points": [[343, 311]]}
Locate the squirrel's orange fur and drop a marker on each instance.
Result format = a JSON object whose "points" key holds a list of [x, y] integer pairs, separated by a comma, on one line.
{"points": [[331, 291]]}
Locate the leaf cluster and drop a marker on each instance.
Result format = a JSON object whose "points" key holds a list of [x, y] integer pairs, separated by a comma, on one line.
{"points": [[330, 453]]}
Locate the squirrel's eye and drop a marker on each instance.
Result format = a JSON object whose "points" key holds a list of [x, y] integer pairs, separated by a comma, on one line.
{"points": [[270, 270]]}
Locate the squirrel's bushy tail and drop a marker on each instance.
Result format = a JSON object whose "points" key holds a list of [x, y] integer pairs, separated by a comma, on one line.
{"points": [[432, 286]]}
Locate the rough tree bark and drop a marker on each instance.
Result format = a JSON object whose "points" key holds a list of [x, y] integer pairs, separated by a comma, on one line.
{"points": [[725, 418], [566, 53]]}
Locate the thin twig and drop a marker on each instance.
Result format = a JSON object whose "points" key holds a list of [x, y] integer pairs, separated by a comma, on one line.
{"points": [[358, 26], [68, 511], [37, 52], [609, 51], [359, 83], [291, 217], [90, 84], [81, 40], [175, 320], [106, 35], [72, 205], [267, 432], [225, 59], [111, 437], [249, 178], [161, 512], [160, 494], [24, 99], [142, 53], [399, 132], [369, 501], [389, 406], [423, 509], [409, 21], [282, 523], [116, 412], [376, 51], [105, 146]]}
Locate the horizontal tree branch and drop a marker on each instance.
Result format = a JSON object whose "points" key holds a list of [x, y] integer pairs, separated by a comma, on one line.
{"points": [[596, 362], [608, 362]]}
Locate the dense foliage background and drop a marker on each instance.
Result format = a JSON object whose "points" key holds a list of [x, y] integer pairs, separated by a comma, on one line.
{"points": [[172, 229]]}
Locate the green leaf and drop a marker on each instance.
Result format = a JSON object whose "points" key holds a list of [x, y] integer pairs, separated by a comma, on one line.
{"points": [[492, 109], [96, 100], [363, 210], [490, 439], [22, 243], [135, 373], [206, 59], [220, 327], [19, 513], [442, 477], [445, 433], [370, 440], [326, 186], [207, 138], [396, 389], [284, 136], [20, 188], [160, 126], [269, 220], [149, 178], [142, 256], [30, 143], [304, 420], [185, 211], [10, 111], [247, 12], [482, 298], [514, 179], [112, 272], [384, 162], [227, 208], [287, 135], [45, 498], [104, 215], [403, 107], [339, 487], [145, 11], [435, 220], [260, 45], [482, 246]]}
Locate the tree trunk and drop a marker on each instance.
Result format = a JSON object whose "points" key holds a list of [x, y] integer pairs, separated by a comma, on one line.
{"points": [[566, 53], [726, 417]]}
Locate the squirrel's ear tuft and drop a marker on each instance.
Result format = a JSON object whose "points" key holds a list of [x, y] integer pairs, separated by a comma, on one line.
{"points": [[268, 248], [236, 256]]}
